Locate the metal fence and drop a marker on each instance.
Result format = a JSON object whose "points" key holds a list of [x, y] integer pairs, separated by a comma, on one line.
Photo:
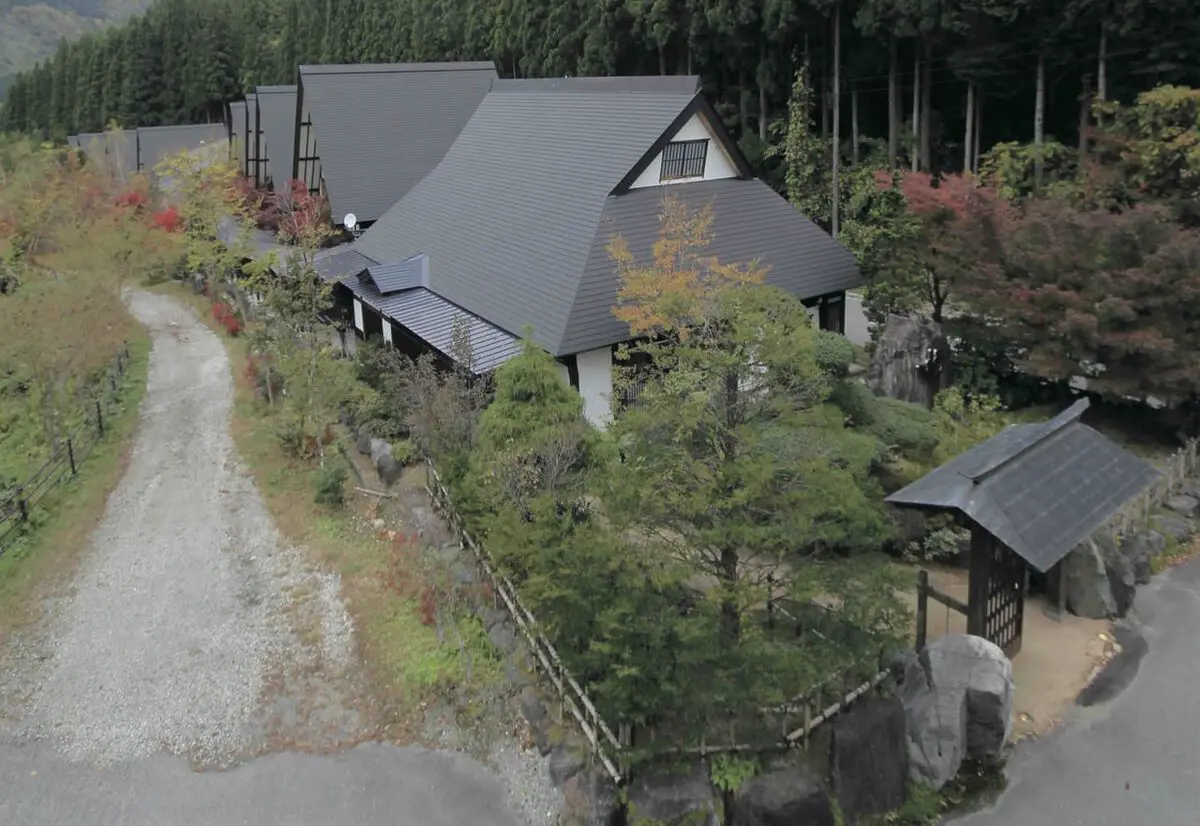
{"points": [[19, 508]]}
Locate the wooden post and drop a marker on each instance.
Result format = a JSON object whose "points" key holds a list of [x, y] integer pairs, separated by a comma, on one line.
{"points": [[977, 585], [922, 608], [99, 418], [23, 508], [71, 455]]}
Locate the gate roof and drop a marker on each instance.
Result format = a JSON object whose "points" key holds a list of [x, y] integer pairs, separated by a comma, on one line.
{"points": [[1041, 489]]}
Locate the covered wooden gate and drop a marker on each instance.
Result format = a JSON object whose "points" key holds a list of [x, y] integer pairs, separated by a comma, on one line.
{"points": [[1031, 493], [996, 605]]}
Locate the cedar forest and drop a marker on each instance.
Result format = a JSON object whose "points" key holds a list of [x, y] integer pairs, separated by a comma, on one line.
{"points": [[1028, 174]]}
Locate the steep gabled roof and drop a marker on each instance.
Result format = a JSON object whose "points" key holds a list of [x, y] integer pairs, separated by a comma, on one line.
{"points": [[118, 149], [509, 216], [237, 120], [431, 318], [277, 111], [1041, 489], [381, 128], [158, 142], [750, 221]]}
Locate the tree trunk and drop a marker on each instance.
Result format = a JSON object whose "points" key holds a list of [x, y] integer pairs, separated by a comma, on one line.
{"points": [[854, 148], [1085, 108], [837, 112], [823, 97], [969, 140], [743, 102], [689, 58], [916, 109], [1039, 114], [764, 76], [731, 620], [978, 129], [893, 101], [1102, 64], [662, 60], [927, 108]]}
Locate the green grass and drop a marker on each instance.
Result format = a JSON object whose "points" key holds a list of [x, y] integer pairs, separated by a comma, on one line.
{"points": [[61, 524]]}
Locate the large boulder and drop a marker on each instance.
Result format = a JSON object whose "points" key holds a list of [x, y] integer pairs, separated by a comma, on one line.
{"points": [[1183, 504], [1122, 579], [379, 448], [960, 708], [1139, 549], [665, 797], [1089, 593], [869, 758], [538, 718], [911, 360], [589, 799], [389, 469], [362, 440], [793, 796], [1174, 528], [565, 761], [936, 729]]}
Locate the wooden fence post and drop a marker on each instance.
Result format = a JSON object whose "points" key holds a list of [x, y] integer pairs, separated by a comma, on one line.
{"points": [[23, 507], [71, 455], [922, 607], [99, 418]]}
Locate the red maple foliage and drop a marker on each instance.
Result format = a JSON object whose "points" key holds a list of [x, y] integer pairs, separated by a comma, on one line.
{"points": [[167, 219], [227, 317]]}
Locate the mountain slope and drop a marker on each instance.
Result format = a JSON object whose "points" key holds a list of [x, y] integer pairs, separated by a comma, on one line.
{"points": [[30, 31]]}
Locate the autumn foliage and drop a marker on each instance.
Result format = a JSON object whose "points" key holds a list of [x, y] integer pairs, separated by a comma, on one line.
{"points": [[227, 317], [680, 283]]}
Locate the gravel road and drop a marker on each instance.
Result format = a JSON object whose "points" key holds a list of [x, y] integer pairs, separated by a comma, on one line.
{"points": [[180, 646]]}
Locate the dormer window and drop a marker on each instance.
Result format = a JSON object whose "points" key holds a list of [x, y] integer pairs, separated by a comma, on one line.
{"points": [[683, 159]]}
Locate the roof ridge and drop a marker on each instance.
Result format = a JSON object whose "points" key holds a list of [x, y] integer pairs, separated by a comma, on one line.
{"points": [[398, 68], [1037, 435]]}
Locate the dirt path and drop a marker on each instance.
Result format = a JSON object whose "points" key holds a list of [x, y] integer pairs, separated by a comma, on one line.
{"points": [[193, 636]]}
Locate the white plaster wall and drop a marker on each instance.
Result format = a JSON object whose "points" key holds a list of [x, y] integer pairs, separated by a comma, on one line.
{"points": [[596, 384], [358, 317], [387, 331], [858, 330], [717, 164], [564, 372]]}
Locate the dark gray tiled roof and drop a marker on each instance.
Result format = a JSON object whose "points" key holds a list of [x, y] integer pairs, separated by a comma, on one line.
{"points": [[750, 221], [237, 120], [338, 263], [664, 84], [401, 275], [381, 128], [432, 319], [508, 217], [277, 111], [1041, 489], [158, 142], [119, 149]]}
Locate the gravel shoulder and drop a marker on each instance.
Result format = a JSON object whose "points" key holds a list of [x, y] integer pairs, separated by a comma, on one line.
{"points": [[186, 642]]}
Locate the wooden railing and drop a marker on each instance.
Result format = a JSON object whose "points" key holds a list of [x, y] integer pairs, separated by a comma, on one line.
{"points": [[548, 664], [1136, 513]]}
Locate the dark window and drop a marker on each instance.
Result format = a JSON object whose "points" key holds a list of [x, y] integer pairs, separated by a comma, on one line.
{"points": [[683, 159], [833, 314]]}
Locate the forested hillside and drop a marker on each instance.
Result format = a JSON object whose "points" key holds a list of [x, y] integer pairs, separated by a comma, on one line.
{"points": [[30, 31], [186, 57]]}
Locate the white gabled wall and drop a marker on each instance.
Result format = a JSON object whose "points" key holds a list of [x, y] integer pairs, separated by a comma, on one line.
{"points": [[717, 164], [358, 315], [596, 384], [564, 371]]}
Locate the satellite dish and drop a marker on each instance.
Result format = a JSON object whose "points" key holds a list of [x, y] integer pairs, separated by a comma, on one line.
{"points": [[350, 221]]}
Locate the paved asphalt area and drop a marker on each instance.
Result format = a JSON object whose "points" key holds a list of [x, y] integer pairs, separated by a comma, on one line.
{"points": [[370, 785], [1133, 756]]}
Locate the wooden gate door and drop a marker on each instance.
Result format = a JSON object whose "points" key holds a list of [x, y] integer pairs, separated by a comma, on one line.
{"points": [[996, 610]]}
